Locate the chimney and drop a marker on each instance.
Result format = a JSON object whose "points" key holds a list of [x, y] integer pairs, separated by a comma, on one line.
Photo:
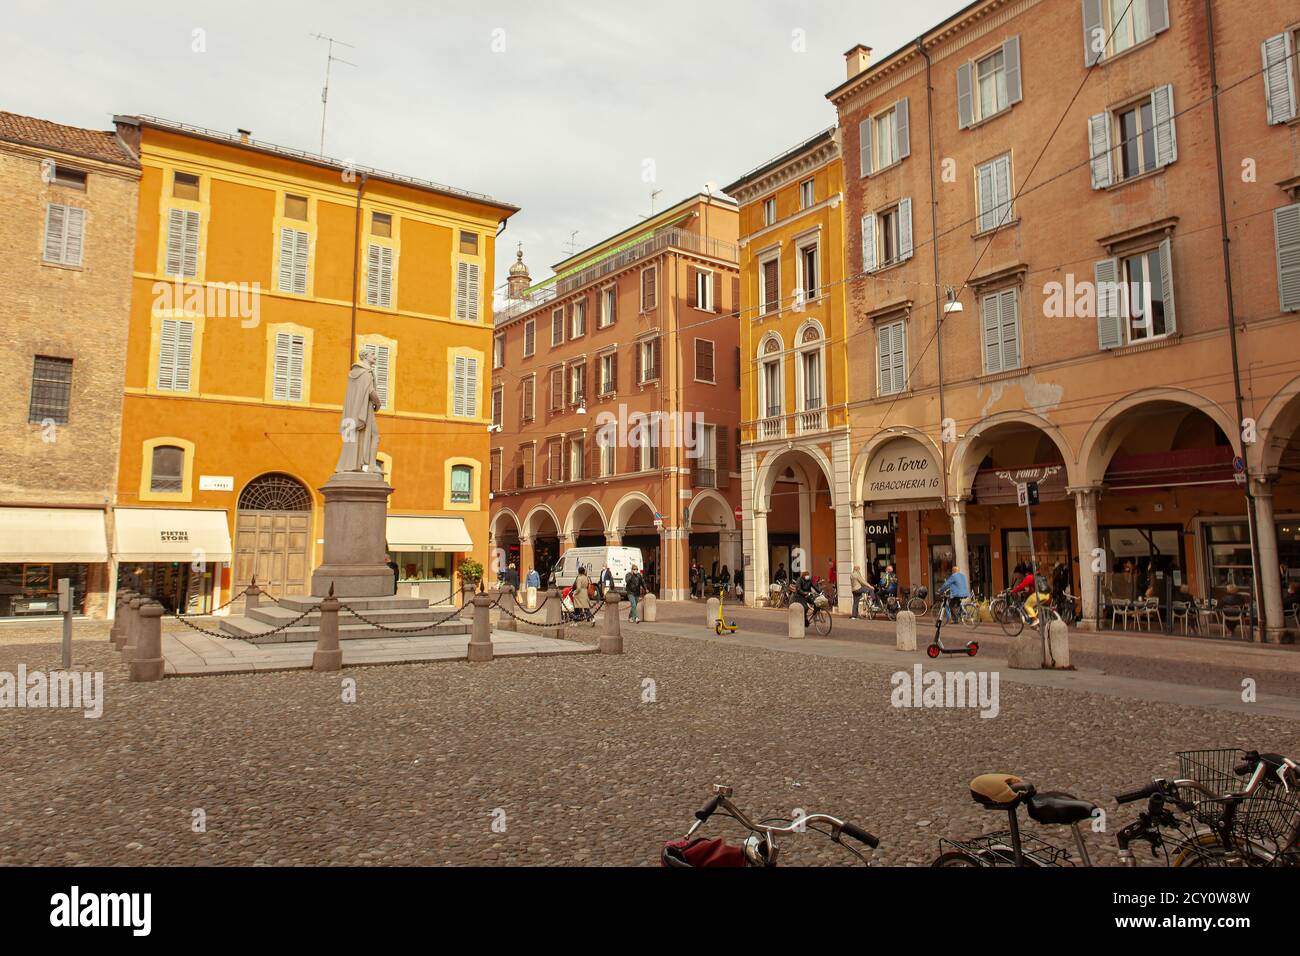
{"points": [[857, 59], [245, 135]]}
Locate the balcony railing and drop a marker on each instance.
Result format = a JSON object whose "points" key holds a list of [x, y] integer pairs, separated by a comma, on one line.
{"points": [[704, 478], [773, 427], [812, 420]]}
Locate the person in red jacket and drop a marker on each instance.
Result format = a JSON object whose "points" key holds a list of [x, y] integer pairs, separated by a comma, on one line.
{"points": [[1025, 577]]}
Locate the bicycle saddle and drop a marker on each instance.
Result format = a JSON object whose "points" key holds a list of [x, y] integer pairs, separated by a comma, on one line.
{"points": [[993, 791], [1059, 808]]}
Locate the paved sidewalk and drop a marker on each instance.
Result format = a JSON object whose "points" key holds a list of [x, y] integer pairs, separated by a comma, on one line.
{"points": [[992, 656], [190, 654]]}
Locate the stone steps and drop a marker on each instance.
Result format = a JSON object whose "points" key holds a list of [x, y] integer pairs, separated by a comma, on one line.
{"points": [[260, 632], [259, 625], [397, 617]]}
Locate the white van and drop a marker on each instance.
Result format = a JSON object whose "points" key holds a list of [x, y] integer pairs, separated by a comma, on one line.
{"points": [[618, 560]]}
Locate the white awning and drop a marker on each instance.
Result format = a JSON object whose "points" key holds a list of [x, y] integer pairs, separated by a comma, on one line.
{"points": [[52, 536], [427, 533], [171, 534]]}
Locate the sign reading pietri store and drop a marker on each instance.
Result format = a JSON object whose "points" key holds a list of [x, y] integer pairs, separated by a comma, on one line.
{"points": [[902, 469]]}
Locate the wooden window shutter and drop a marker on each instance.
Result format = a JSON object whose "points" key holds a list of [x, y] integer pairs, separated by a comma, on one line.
{"points": [[1286, 234], [183, 355], [657, 371], [864, 147], [372, 275], [1099, 146], [74, 235], [704, 360], [613, 372], [1009, 331], [175, 242], [640, 370], [1279, 78], [1011, 69], [556, 390], [301, 253], [498, 407], [280, 381], [984, 197], [1162, 116], [55, 230], [989, 323], [467, 283], [902, 136], [738, 361], [458, 387], [1094, 34], [716, 283], [693, 288], [1167, 283], [721, 456], [1110, 318], [904, 229], [869, 242], [1157, 15], [965, 101], [771, 286]]}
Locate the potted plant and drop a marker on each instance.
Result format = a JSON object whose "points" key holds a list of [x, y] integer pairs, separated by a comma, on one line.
{"points": [[471, 573]]}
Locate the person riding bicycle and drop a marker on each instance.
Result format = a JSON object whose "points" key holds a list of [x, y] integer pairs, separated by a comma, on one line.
{"points": [[859, 586], [806, 592], [957, 589], [1026, 587]]}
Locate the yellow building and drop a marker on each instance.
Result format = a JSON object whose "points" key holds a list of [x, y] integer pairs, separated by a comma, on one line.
{"points": [[794, 382], [259, 273]]}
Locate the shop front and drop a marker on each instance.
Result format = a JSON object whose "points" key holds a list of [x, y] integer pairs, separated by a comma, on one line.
{"points": [[902, 492], [173, 555], [425, 549], [41, 546]]}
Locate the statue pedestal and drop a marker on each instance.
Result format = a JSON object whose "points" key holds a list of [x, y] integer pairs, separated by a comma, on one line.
{"points": [[355, 559]]}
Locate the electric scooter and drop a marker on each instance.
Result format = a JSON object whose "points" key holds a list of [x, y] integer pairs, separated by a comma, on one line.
{"points": [[937, 646], [722, 625]]}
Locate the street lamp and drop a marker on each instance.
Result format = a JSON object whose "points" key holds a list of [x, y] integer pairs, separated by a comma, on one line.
{"points": [[953, 305]]}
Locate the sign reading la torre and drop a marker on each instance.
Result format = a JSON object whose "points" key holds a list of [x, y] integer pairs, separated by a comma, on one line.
{"points": [[902, 468]]}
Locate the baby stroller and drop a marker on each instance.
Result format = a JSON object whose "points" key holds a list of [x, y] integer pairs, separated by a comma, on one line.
{"points": [[570, 613]]}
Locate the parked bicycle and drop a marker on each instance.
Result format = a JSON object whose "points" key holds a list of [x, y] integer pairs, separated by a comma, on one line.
{"points": [[761, 846]]}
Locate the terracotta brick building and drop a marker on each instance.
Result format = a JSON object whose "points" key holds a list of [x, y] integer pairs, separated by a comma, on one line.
{"points": [[1053, 304], [641, 324], [67, 224]]}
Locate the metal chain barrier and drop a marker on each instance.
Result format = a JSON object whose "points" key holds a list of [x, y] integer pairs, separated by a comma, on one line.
{"points": [[429, 625], [251, 637]]}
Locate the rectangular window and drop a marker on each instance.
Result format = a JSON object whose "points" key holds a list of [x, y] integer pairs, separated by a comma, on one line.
{"points": [[175, 354], [990, 84], [578, 319], [888, 220], [495, 478], [808, 270], [167, 469], [1133, 139], [381, 225], [555, 461], [1137, 140], [812, 379], [807, 191], [608, 307], [769, 211], [51, 396], [1281, 76], [704, 361], [530, 337], [1135, 297], [290, 350], [465, 398], [462, 481], [993, 193], [991, 81], [648, 296], [576, 449], [71, 178], [577, 383], [295, 207], [467, 289], [555, 398], [703, 298], [887, 236], [891, 357], [557, 327], [294, 246], [379, 276], [498, 351], [1146, 306], [65, 228], [608, 455], [1130, 23], [468, 243], [648, 449], [770, 286], [182, 243], [498, 406], [527, 398], [1000, 321], [382, 357], [772, 388], [649, 352], [609, 373], [185, 186]]}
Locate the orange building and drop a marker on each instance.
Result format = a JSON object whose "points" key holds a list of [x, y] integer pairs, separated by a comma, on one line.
{"points": [[640, 327], [259, 273]]}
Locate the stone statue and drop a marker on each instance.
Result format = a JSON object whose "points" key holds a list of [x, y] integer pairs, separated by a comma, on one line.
{"points": [[360, 435]]}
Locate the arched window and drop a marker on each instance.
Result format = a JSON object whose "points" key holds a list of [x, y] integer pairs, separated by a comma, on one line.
{"points": [[770, 378], [811, 373], [274, 492], [462, 484], [167, 470]]}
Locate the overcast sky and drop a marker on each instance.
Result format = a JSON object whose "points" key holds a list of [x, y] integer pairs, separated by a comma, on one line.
{"points": [[559, 123]]}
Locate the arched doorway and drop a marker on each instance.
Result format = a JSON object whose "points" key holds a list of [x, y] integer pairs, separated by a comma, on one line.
{"points": [[273, 535], [712, 539], [585, 524], [633, 520], [542, 529], [504, 533]]}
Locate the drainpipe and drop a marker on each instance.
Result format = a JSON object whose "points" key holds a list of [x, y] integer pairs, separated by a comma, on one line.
{"points": [[938, 295], [1256, 586], [356, 266]]}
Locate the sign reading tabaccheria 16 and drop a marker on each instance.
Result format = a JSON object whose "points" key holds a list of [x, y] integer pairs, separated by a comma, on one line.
{"points": [[902, 469]]}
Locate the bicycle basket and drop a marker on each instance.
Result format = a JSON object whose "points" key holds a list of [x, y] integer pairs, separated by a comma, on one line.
{"points": [[994, 849], [1212, 769], [1270, 818]]}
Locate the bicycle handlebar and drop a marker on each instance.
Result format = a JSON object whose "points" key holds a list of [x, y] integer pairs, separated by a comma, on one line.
{"points": [[859, 834], [1141, 793]]}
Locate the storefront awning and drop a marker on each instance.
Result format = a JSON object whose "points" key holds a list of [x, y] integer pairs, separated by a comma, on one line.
{"points": [[428, 533], [52, 536], [171, 534]]}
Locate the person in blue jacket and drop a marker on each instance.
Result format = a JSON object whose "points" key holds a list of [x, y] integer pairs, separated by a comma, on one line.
{"points": [[958, 589]]}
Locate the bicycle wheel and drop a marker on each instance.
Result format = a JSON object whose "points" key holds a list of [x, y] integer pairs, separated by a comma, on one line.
{"points": [[956, 858], [822, 621], [1204, 850], [1012, 621], [917, 606], [970, 614]]}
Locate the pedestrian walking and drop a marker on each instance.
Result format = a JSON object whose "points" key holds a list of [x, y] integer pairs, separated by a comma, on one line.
{"points": [[582, 594], [859, 585], [634, 585]]}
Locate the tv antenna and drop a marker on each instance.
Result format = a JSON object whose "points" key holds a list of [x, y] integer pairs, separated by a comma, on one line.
{"points": [[654, 194], [330, 59], [571, 244]]}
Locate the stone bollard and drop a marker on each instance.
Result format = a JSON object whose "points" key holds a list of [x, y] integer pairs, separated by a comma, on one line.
{"points": [[711, 612], [532, 598], [1058, 642], [1026, 650], [648, 608], [551, 624], [328, 655], [611, 637], [507, 610], [796, 616], [905, 631], [133, 626], [147, 661], [480, 636], [253, 596]]}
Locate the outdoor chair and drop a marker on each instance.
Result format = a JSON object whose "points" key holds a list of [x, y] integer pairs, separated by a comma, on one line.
{"points": [[1146, 609], [1207, 614], [1120, 609], [1184, 616]]}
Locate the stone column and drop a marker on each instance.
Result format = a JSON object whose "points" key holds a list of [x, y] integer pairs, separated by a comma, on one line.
{"points": [[122, 621], [480, 638], [1085, 515], [328, 656], [759, 570], [613, 538], [525, 557], [1270, 583], [567, 541], [147, 660], [858, 535], [960, 552]]}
